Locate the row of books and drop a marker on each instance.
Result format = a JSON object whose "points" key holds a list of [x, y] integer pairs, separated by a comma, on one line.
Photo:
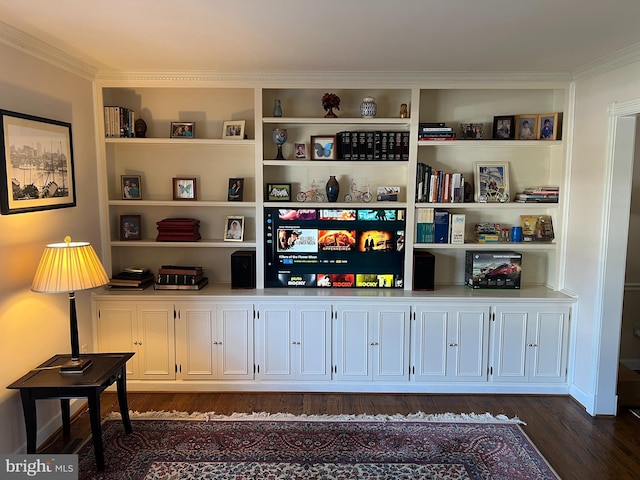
{"points": [[435, 131], [434, 225], [438, 186], [372, 145], [119, 122], [539, 194], [179, 277]]}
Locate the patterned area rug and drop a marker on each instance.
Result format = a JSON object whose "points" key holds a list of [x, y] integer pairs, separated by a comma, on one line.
{"points": [[172, 446]]}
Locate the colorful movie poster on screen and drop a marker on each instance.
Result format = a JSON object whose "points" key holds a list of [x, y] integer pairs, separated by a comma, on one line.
{"points": [[378, 214], [338, 214], [377, 280], [297, 240], [376, 241], [336, 280], [303, 214], [336, 240]]}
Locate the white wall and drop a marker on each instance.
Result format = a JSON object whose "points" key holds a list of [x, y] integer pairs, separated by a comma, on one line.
{"points": [[33, 326], [596, 339]]}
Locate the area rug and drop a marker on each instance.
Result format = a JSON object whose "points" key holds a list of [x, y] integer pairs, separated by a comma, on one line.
{"points": [[176, 446]]}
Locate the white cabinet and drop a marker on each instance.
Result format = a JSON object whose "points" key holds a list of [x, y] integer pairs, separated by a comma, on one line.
{"points": [[450, 344], [530, 343], [214, 341], [144, 328], [371, 343], [294, 342]]}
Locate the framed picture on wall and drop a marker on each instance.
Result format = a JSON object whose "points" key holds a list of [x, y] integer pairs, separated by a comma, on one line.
{"points": [[37, 164]]}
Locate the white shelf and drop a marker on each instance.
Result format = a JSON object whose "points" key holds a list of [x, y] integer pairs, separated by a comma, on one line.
{"points": [[489, 206], [491, 143], [181, 141], [198, 244], [180, 203], [336, 121], [333, 163], [486, 246]]}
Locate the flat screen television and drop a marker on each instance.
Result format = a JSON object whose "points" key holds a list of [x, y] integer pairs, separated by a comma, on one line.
{"points": [[334, 247]]}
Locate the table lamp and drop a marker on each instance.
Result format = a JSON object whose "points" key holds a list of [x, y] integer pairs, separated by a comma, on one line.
{"points": [[68, 267]]}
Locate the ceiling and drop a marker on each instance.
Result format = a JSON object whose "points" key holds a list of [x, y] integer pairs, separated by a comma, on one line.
{"points": [[298, 36]]}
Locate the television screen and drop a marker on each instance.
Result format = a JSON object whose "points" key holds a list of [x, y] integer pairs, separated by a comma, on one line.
{"points": [[334, 247]]}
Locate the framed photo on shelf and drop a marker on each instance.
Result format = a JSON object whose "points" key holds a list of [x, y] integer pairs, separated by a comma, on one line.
{"points": [[233, 129], [548, 126], [323, 147], [471, 131], [184, 188], [37, 164], [234, 229], [278, 192], [183, 129], [526, 127], [130, 227], [130, 187], [491, 181], [300, 150], [504, 127], [236, 189]]}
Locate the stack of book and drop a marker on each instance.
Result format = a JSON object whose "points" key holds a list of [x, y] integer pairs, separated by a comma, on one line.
{"points": [[435, 131], [178, 277], [119, 122], [131, 278], [438, 186], [178, 230], [540, 194], [435, 225]]}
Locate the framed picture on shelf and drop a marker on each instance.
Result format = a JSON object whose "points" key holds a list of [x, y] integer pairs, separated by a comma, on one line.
{"points": [[471, 131], [236, 189], [504, 127], [233, 129], [234, 229], [130, 187], [549, 126], [37, 164], [183, 129], [130, 227], [300, 150], [184, 188], [526, 127], [491, 181], [278, 192], [323, 147]]}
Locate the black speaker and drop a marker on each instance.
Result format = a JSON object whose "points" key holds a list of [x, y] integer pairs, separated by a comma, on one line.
{"points": [[424, 269], [243, 269]]}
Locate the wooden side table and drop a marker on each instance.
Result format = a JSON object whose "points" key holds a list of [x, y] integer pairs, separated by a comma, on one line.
{"points": [[46, 382]]}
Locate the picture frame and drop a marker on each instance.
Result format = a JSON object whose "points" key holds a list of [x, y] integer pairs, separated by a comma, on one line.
{"points": [[183, 129], [504, 127], [130, 227], [549, 127], [471, 131], [184, 188], [37, 164], [491, 181], [131, 186], [323, 147], [526, 127], [278, 192], [233, 130], [300, 151], [236, 190], [234, 228]]}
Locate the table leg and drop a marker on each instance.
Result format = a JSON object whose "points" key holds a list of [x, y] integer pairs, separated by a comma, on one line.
{"points": [[66, 417], [121, 385], [30, 421], [96, 428]]}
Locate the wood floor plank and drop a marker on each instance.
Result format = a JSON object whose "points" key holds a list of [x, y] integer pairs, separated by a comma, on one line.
{"points": [[578, 446]]}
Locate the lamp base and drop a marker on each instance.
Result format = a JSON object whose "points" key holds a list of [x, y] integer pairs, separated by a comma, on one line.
{"points": [[76, 366]]}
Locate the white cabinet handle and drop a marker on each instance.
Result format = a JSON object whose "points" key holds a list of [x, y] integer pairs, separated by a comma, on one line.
{"points": [[453, 344]]}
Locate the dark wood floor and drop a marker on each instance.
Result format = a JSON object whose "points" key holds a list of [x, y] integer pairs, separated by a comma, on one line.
{"points": [[577, 445]]}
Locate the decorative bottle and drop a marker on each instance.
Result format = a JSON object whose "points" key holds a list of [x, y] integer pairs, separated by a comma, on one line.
{"points": [[368, 107], [333, 189], [277, 109]]}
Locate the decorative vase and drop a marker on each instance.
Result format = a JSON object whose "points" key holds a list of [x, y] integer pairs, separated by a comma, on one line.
{"points": [[333, 189], [140, 128], [330, 114], [279, 136], [368, 107], [277, 109]]}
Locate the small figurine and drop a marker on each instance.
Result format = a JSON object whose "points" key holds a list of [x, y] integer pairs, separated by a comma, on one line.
{"points": [[404, 111], [355, 194], [312, 194]]}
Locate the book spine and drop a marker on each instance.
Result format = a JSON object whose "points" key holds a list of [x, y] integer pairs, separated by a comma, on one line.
{"points": [[346, 145], [177, 279], [441, 226]]}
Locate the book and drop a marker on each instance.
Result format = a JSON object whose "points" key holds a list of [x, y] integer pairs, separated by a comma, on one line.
{"points": [[178, 279], [458, 221], [181, 270], [440, 226], [138, 287], [198, 286]]}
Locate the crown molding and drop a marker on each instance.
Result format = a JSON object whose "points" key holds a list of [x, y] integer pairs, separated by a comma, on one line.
{"points": [[26, 43], [613, 61]]}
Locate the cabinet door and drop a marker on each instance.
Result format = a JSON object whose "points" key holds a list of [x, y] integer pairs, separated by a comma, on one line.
{"points": [[235, 341], [468, 344], [510, 343], [117, 331], [352, 343], [196, 341], [430, 344], [275, 341], [156, 340], [390, 351], [547, 345], [313, 342]]}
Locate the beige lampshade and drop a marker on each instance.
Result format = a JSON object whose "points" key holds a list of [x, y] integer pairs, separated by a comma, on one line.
{"points": [[69, 267]]}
